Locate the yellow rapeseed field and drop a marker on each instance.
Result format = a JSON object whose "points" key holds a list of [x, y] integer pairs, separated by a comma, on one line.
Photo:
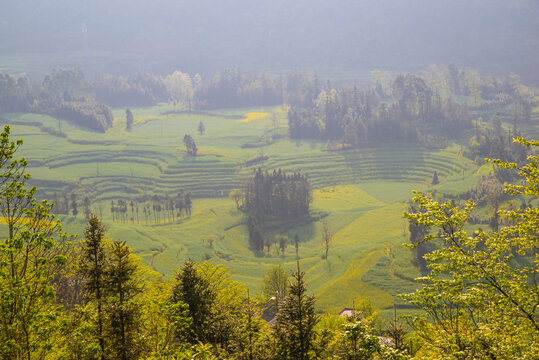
{"points": [[253, 116]]}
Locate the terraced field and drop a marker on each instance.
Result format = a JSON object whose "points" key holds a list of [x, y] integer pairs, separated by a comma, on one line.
{"points": [[361, 193]]}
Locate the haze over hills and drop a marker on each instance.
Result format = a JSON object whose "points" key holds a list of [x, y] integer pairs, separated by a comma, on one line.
{"points": [[219, 163], [338, 38]]}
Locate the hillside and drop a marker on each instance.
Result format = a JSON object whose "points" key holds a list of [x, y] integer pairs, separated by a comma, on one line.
{"points": [[361, 193]]}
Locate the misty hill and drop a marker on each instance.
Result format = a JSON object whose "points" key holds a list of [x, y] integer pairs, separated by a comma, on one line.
{"points": [[123, 36]]}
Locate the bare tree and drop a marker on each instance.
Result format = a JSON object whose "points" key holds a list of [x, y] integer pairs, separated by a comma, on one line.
{"points": [[327, 237]]}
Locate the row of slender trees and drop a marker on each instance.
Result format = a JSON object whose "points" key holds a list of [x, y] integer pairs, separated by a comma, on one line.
{"points": [[156, 210]]}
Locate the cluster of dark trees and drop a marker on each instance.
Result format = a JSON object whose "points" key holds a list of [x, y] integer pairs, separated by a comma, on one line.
{"points": [[140, 89], [155, 210], [96, 116], [272, 195], [354, 117], [65, 94], [190, 145], [232, 88], [276, 194], [493, 141], [257, 240], [409, 108]]}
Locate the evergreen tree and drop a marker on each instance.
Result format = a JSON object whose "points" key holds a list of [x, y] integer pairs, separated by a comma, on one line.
{"points": [[188, 203], [112, 210], [123, 311], [86, 206], [190, 146], [192, 289], [128, 120], [93, 269], [201, 128], [435, 180], [294, 329], [74, 204], [256, 237]]}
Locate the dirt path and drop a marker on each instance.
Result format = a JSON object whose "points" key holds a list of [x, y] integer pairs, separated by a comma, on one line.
{"points": [[162, 250]]}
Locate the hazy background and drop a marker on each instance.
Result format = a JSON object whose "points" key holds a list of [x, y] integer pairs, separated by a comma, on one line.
{"points": [[337, 38]]}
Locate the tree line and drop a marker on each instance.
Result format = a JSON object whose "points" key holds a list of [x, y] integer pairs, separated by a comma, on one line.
{"points": [[408, 108], [65, 94], [316, 111], [350, 117]]}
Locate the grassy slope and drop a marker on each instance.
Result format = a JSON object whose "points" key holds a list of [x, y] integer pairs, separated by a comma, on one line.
{"points": [[363, 192]]}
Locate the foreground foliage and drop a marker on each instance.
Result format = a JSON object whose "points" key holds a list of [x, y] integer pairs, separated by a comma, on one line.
{"points": [[481, 295], [29, 259]]}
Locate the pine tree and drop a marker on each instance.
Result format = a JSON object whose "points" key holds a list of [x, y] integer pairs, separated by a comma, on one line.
{"points": [[294, 329], [201, 128], [93, 269], [128, 119], [435, 180], [190, 146], [194, 290], [86, 206], [122, 285], [188, 203], [74, 205], [256, 237]]}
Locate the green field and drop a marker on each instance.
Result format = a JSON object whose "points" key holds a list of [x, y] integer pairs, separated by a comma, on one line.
{"points": [[362, 194]]}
